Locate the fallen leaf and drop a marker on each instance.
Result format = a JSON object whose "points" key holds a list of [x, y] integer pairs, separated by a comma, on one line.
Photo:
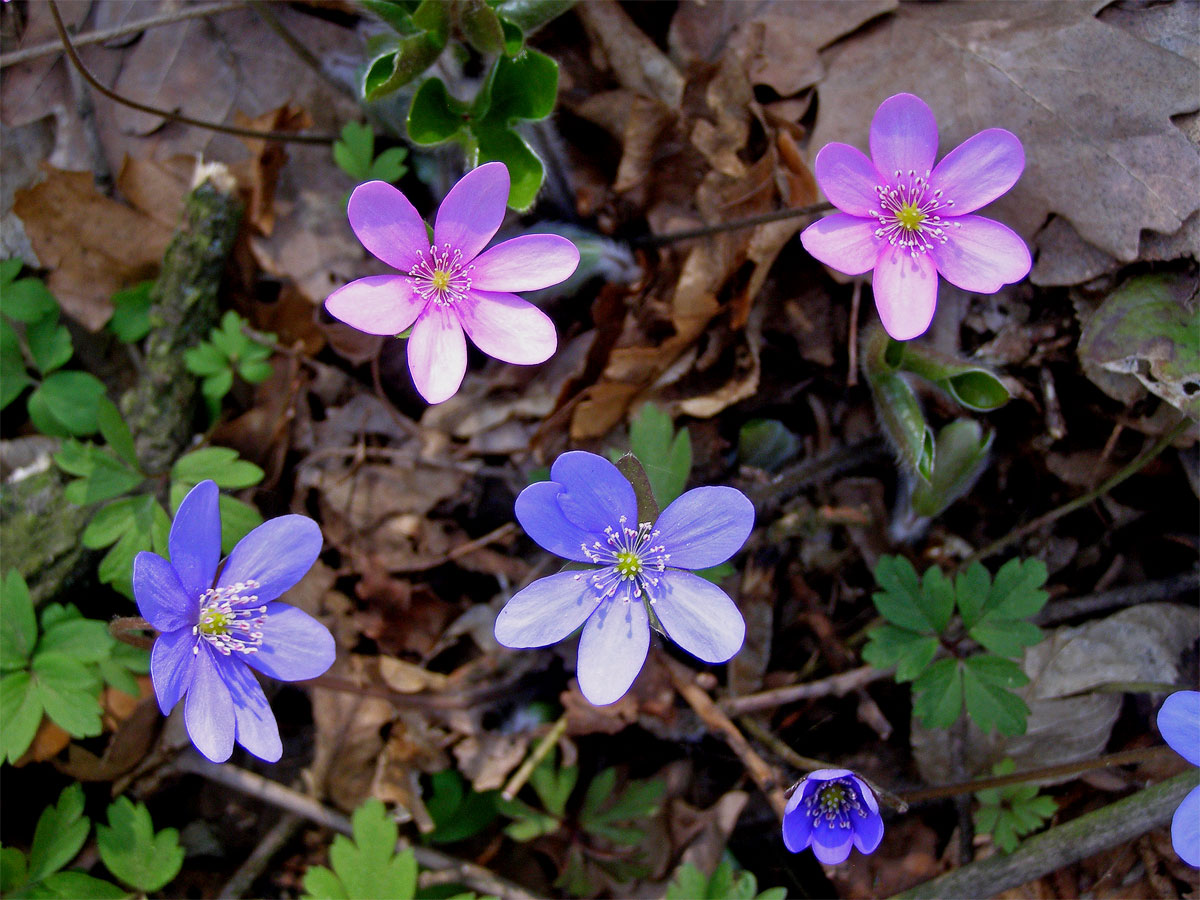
{"points": [[633, 58]]}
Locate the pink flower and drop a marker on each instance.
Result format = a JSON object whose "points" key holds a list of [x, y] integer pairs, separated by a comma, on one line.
{"points": [[908, 220], [451, 287]]}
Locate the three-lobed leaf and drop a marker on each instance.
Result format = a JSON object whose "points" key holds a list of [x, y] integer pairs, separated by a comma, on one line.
{"points": [[367, 868], [18, 624], [665, 454], [133, 851]]}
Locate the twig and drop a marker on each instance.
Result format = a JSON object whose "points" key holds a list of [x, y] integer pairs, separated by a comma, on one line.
{"points": [[771, 495], [764, 776], [670, 237], [264, 12], [539, 753], [834, 685], [86, 110], [283, 136], [1141, 592], [1060, 846], [107, 34], [476, 877], [242, 880], [852, 341], [128, 629], [962, 802]]}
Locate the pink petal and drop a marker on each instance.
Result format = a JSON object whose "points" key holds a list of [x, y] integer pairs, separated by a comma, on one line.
{"points": [[904, 136], [905, 292], [506, 327], [848, 179], [437, 353], [979, 170], [471, 214], [527, 263], [843, 242], [612, 649], [981, 255], [377, 304], [387, 224]]}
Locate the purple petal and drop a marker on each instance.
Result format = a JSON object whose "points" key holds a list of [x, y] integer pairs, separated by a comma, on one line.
{"points": [[905, 289], [527, 263], [1185, 829], [705, 526], [208, 709], [865, 793], [471, 214], [387, 225], [848, 179], [161, 598], [981, 255], [797, 824], [595, 494], [547, 611], [979, 170], [437, 354], [904, 136], [171, 663], [823, 775], [831, 844], [377, 304], [276, 554], [868, 831], [698, 616], [612, 650], [843, 242], [295, 646], [257, 730], [195, 541], [506, 327], [542, 518], [1179, 724]]}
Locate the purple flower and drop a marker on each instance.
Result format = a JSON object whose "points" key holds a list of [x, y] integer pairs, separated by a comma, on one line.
{"points": [[587, 513], [212, 632], [451, 287], [1179, 722], [830, 810], [907, 220]]}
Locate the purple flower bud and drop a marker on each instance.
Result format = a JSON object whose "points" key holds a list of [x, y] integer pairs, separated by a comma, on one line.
{"points": [[832, 810]]}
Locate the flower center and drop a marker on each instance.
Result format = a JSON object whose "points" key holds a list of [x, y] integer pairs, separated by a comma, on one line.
{"points": [[626, 555], [908, 213], [834, 801], [229, 619], [441, 276]]}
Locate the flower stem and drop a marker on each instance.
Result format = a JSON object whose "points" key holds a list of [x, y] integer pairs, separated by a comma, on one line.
{"points": [[545, 745], [671, 237], [129, 630]]}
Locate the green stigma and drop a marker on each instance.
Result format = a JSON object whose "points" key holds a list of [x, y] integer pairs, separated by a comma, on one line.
{"points": [[440, 279], [833, 796], [629, 564], [215, 623], [909, 217]]}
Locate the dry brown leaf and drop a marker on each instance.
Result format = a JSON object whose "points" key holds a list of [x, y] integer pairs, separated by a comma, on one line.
{"points": [[260, 175], [157, 188], [348, 738], [633, 58], [487, 759]]}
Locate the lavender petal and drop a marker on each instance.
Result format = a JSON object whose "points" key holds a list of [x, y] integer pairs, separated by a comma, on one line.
{"points": [[1179, 724], [161, 597], [904, 136], [705, 526], [507, 328], [387, 224], [547, 611], [979, 170], [208, 710], [595, 494], [843, 242], [848, 179], [1185, 829], [797, 824], [257, 729], [831, 844], [437, 354], [172, 660], [905, 289], [195, 540], [295, 646], [981, 255], [471, 214], [276, 555], [377, 304], [612, 650], [526, 263], [538, 512], [698, 616]]}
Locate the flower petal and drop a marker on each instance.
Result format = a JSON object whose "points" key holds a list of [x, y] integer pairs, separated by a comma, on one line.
{"points": [[471, 214], [705, 526], [831, 845], [195, 540], [848, 179], [698, 616], [437, 354], [595, 494], [904, 136], [905, 289], [527, 263], [208, 709], [387, 224], [295, 646], [865, 792], [612, 650], [1185, 829], [843, 242], [377, 304], [506, 327], [981, 255], [276, 554], [979, 170], [257, 729], [171, 663], [161, 598], [542, 518], [547, 611], [868, 831], [1179, 724], [797, 824]]}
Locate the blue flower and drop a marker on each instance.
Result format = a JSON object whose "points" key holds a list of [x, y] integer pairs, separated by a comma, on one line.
{"points": [[1179, 722], [587, 513], [212, 627], [831, 810]]}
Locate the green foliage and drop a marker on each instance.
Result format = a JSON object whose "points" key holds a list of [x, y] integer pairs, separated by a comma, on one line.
{"points": [[133, 851], [961, 453], [59, 673], [367, 868], [665, 454], [355, 155], [228, 351], [992, 613], [766, 444], [1008, 813], [456, 810], [726, 883], [130, 320]]}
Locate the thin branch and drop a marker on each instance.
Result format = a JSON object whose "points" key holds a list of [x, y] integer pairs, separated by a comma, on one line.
{"points": [[129, 630], [282, 136], [671, 237], [545, 745], [834, 685]]}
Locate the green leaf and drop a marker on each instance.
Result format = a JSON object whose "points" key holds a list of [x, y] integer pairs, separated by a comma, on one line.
{"points": [[369, 867], [1016, 590], [29, 301], [938, 693], [13, 867], [74, 885], [9, 270], [458, 813], [205, 359], [49, 345], [133, 851], [688, 883], [21, 712], [18, 625], [972, 589], [221, 464], [353, 153], [101, 475], [72, 398], [389, 165], [1006, 637], [396, 68], [480, 26], [130, 320], [68, 693], [524, 166], [960, 456], [908, 651], [214, 387], [116, 568], [238, 519], [903, 423], [60, 833], [83, 640], [530, 15], [255, 371], [665, 455], [114, 429], [12, 383], [553, 785], [322, 884], [394, 12], [902, 600], [1011, 811], [989, 702], [522, 87], [514, 40], [434, 116]]}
